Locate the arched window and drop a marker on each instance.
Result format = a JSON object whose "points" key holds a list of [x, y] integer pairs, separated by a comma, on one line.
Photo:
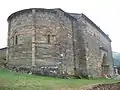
{"points": [[16, 39], [48, 38], [51, 38]]}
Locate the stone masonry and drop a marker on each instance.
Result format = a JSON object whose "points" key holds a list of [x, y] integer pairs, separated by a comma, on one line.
{"points": [[3, 56], [53, 42]]}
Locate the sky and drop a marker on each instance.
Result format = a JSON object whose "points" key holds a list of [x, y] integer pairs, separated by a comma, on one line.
{"points": [[104, 13]]}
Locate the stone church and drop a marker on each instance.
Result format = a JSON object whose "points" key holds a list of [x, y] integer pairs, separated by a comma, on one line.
{"points": [[54, 42]]}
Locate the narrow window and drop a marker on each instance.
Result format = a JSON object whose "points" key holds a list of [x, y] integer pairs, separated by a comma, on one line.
{"points": [[16, 39], [48, 38], [13, 41]]}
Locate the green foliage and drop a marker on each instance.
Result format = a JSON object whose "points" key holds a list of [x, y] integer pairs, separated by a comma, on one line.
{"points": [[17, 81], [116, 58]]}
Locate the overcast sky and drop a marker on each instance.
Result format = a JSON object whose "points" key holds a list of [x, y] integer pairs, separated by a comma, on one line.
{"points": [[105, 13]]}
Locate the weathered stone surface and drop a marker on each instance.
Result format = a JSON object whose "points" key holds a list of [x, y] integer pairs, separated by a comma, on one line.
{"points": [[51, 41], [3, 56], [97, 45]]}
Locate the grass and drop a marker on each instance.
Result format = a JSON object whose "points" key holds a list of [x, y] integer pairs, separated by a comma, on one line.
{"points": [[17, 81]]}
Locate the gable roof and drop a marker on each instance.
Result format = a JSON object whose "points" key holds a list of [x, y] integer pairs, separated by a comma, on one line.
{"points": [[92, 23]]}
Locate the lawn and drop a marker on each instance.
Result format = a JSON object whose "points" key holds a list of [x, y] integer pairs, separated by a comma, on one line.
{"points": [[17, 81]]}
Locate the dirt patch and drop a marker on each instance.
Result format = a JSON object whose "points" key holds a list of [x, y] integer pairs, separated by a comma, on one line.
{"points": [[115, 86]]}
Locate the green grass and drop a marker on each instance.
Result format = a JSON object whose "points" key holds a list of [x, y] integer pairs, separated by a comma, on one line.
{"points": [[18, 81]]}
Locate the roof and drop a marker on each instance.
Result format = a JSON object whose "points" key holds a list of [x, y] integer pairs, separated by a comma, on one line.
{"points": [[86, 18], [41, 9], [3, 48], [66, 14], [91, 22]]}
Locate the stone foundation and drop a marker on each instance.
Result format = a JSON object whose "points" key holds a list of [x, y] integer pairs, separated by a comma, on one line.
{"points": [[41, 70]]}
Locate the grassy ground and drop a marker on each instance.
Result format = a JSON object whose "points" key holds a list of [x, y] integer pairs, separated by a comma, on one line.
{"points": [[17, 81]]}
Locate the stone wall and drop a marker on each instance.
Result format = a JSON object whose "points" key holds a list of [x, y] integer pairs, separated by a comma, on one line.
{"points": [[80, 52], [20, 39], [43, 39], [106, 44], [97, 44], [52, 41], [93, 55], [3, 56]]}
